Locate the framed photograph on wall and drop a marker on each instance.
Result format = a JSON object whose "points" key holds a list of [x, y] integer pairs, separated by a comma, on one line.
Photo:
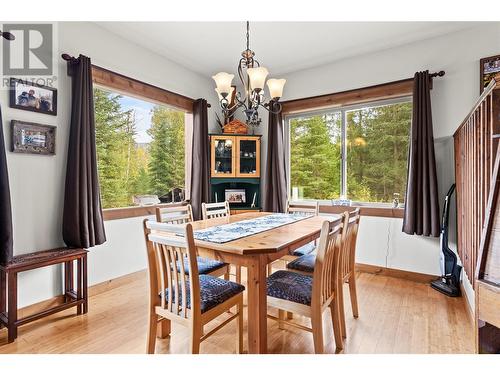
{"points": [[31, 138], [30, 96], [489, 67]]}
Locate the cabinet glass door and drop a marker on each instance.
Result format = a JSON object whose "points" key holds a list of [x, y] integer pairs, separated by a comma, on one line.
{"points": [[223, 156], [248, 157]]}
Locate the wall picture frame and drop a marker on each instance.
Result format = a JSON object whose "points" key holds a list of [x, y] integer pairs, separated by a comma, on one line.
{"points": [[32, 138], [235, 195], [30, 96], [488, 68]]}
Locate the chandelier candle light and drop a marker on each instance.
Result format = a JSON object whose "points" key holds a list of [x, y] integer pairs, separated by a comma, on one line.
{"points": [[253, 79]]}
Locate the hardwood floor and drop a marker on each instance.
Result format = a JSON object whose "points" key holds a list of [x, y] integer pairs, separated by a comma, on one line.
{"points": [[396, 316]]}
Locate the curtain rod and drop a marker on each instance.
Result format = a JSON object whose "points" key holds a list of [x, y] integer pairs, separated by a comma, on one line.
{"points": [[72, 60], [68, 58], [7, 36], [437, 74]]}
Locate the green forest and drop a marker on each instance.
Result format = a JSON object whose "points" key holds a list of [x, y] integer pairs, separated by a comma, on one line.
{"points": [[127, 168], [377, 147]]}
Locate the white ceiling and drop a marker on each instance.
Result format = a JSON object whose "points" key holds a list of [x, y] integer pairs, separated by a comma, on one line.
{"points": [[282, 47]]}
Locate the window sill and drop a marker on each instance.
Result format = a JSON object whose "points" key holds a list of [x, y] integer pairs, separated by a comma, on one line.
{"points": [[365, 210], [134, 211]]}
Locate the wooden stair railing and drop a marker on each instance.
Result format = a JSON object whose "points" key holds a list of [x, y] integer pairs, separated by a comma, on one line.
{"points": [[476, 143], [487, 322]]}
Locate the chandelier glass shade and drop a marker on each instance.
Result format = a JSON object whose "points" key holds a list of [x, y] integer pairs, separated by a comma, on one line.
{"points": [[253, 80]]}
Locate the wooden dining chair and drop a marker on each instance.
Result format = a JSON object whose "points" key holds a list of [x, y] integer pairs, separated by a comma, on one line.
{"points": [[311, 295], [182, 215], [215, 210], [299, 208], [348, 264], [212, 210], [192, 300], [302, 208], [174, 215], [306, 263]]}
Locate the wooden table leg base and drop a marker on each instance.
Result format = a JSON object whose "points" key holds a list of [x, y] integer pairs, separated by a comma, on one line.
{"points": [[257, 306]]}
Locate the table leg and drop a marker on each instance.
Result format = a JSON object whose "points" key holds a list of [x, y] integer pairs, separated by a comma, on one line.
{"points": [[85, 285], [68, 268], [12, 313], [79, 284], [66, 281], [257, 306], [3, 294]]}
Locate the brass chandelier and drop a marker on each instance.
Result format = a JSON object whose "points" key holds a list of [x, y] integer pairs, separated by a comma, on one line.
{"points": [[253, 78]]}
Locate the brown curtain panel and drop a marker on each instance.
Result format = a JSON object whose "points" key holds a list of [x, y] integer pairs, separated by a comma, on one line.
{"points": [[275, 189], [421, 215], [5, 207], [83, 224], [200, 171]]}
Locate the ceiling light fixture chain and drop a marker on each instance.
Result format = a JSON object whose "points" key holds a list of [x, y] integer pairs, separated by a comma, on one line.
{"points": [[248, 35]]}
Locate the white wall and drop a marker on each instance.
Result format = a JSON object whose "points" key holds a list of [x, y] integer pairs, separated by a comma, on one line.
{"points": [[458, 54], [452, 98], [37, 182]]}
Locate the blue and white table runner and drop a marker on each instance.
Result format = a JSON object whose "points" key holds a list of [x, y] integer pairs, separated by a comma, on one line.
{"points": [[230, 232]]}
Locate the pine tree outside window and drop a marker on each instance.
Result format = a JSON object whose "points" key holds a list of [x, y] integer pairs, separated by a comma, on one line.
{"points": [[357, 153], [140, 149]]}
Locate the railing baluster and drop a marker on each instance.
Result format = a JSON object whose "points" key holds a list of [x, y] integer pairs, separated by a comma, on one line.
{"points": [[474, 146]]}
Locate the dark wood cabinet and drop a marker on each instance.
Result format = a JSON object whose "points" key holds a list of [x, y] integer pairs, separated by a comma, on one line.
{"points": [[235, 171]]}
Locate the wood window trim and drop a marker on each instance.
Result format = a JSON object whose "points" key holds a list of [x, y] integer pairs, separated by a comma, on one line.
{"points": [[389, 212], [390, 90], [135, 211], [145, 91], [130, 212], [142, 90]]}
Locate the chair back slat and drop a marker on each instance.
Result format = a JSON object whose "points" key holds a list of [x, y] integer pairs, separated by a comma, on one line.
{"points": [[217, 213], [183, 286], [158, 229], [214, 210], [172, 245], [174, 215], [302, 207], [162, 257], [165, 259], [326, 268], [175, 282]]}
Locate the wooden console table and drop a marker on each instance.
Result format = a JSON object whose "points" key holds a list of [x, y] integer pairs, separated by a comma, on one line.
{"points": [[72, 298]]}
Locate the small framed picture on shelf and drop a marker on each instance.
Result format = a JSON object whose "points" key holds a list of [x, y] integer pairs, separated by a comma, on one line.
{"points": [[235, 195], [31, 138], [489, 67], [31, 96]]}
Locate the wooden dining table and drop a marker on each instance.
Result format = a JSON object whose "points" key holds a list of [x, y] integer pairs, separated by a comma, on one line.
{"points": [[255, 252]]}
